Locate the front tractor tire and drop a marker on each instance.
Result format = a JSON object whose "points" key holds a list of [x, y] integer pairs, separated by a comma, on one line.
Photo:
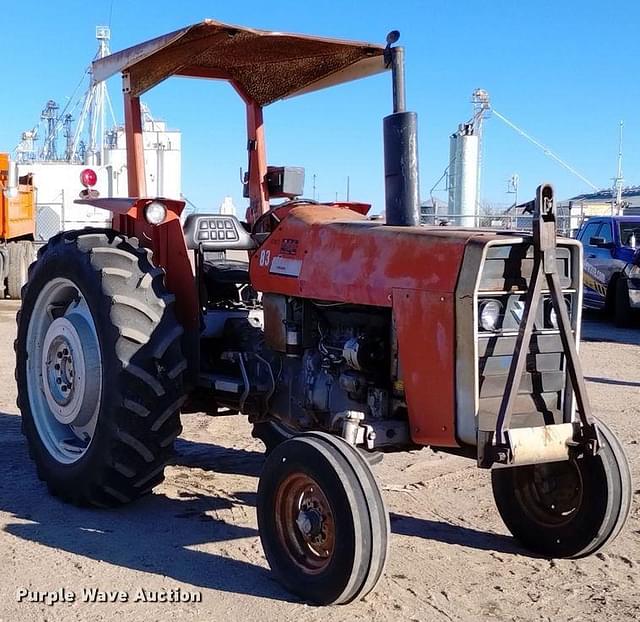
{"points": [[99, 367], [322, 520], [567, 509]]}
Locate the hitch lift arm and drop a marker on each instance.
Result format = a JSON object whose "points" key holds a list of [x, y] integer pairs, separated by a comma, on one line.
{"points": [[500, 449]]}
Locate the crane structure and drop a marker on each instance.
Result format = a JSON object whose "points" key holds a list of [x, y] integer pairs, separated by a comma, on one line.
{"points": [[82, 140], [50, 116], [84, 144]]}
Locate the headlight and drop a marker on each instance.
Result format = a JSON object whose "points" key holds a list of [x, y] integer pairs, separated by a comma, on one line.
{"points": [[489, 314], [552, 316], [633, 271], [155, 212]]}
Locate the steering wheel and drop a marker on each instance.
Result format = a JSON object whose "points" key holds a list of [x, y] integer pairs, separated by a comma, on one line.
{"points": [[270, 219]]}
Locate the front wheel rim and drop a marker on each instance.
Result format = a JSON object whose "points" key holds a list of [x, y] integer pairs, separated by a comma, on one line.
{"points": [[305, 523], [551, 494], [63, 370]]}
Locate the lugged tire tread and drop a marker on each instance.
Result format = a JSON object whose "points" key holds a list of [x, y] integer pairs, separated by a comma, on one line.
{"points": [[147, 392]]}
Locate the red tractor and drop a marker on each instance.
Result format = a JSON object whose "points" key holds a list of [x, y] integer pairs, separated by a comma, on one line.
{"points": [[342, 337]]}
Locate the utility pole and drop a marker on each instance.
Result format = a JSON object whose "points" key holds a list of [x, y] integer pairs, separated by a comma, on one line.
{"points": [[618, 179], [347, 188], [512, 188]]}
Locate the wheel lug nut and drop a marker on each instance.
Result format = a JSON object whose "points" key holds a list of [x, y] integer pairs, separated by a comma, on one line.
{"points": [[57, 366], [65, 352], [64, 388], [59, 355], [59, 380]]}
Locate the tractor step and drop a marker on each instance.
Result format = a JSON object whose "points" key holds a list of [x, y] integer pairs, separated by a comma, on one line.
{"points": [[220, 382]]}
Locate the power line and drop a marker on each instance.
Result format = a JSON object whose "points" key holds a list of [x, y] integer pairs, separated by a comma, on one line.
{"points": [[544, 148]]}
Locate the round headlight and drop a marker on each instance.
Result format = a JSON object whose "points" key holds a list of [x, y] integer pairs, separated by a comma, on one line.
{"points": [[155, 212], [489, 316], [553, 316]]}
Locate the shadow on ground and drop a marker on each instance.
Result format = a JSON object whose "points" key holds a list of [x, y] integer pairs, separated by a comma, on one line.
{"points": [[152, 535], [217, 458], [596, 326], [454, 534], [613, 381], [157, 533]]}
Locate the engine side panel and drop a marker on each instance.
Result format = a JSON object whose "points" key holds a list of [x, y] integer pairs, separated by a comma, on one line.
{"points": [[425, 325]]}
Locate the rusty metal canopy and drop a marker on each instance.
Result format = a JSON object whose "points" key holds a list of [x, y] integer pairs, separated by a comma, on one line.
{"points": [[265, 66]]}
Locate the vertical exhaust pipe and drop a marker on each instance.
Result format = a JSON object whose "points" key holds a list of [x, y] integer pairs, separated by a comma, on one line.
{"points": [[13, 180], [400, 132]]}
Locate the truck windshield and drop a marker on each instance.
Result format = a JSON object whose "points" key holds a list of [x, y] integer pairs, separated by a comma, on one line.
{"points": [[630, 234]]}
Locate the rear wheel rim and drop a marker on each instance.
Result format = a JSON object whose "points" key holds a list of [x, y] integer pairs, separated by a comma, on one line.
{"points": [[63, 370], [305, 523]]}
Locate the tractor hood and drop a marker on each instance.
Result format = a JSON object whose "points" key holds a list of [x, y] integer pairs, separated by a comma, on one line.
{"points": [[338, 255]]}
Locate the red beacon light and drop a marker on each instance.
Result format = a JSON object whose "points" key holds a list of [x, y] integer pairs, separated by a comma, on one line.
{"points": [[88, 178]]}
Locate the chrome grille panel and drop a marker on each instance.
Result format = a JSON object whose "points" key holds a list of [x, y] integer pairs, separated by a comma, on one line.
{"points": [[509, 267], [501, 269]]}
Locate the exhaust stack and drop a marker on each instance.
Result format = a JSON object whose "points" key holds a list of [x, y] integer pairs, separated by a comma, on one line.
{"points": [[402, 193], [11, 191]]}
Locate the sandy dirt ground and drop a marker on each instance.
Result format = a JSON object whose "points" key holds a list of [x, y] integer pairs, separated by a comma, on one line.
{"points": [[450, 559]]}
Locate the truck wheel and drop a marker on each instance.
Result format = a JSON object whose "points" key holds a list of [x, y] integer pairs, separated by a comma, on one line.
{"points": [[623, 312], [99, 367], [567, 509], [323, 525], [20, 255]]}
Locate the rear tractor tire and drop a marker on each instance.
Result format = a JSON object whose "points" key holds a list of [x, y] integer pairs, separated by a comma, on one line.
{"points": [[567, 509], [99, 367], [323, 524]]}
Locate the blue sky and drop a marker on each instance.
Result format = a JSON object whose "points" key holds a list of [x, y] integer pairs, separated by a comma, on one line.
{"points": [[565, 71]]}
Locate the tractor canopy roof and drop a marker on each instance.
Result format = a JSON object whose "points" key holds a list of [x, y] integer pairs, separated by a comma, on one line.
{"points": [[264, 66]]}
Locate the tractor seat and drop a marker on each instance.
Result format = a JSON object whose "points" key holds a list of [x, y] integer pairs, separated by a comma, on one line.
{"points": [[218, 272], [216, 232]]}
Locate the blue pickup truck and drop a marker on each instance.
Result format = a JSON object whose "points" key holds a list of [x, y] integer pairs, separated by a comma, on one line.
{"points": [[612, 266]]}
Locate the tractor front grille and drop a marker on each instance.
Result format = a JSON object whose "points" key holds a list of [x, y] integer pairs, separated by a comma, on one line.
{"points": [[509, 267], [505, 278], [539, 399]]}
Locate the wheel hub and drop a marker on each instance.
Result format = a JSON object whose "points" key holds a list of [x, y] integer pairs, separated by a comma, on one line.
{"points": [[305, 523], [60, 370], [70, 364], [309, 523]]}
